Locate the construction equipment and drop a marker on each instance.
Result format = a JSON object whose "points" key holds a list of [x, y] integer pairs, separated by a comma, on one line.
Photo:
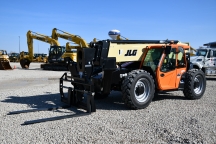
{"points": [[44, 58], [55, 59], [13, 57], [23, 55], [138, 68], [4, 60], [70, 53], [205, 58], [55, 47], [191, 50], [40, 57]]}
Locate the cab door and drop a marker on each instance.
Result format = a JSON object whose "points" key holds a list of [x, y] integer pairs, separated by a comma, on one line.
{"points": [[166, 72], [181, 65], [214, 58]]}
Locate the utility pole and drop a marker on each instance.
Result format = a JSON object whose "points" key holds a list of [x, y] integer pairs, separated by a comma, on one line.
{"points": [[19, 44], [38, 48]]}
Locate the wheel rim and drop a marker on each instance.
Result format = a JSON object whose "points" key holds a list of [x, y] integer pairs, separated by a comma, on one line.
{"points": [[142, 90], [198, 84]]}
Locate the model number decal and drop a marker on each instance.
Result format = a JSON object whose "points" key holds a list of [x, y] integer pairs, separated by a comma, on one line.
{"points": [[131, 53]]}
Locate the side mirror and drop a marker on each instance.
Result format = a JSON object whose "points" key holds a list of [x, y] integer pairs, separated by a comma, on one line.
{"points": [[211, 53], [168, 49]]}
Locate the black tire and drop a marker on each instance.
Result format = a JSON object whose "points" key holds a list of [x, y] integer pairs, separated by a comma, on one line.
{"points": [[195, 84], [145, 90]]}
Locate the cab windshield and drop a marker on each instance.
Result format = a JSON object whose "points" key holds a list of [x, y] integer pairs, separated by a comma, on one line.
{"points": [[153, 57], [3, 52], [55, 50], [201, 52], [14, 54]]}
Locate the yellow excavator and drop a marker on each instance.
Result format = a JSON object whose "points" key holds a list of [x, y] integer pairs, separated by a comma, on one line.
{"points": [[192, 50], [70, 53], [40, 57], [55, 49], [4, 60], [13, 57]]}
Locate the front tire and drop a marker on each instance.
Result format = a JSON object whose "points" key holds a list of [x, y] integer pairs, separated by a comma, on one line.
{"points": [[195, 84], [138, 89]]}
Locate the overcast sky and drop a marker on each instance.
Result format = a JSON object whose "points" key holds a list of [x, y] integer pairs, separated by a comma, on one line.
{"points": [[191, 21]]}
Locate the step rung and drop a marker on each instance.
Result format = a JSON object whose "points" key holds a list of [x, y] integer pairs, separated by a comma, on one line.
{"points": [[65, 87], [67, 80]]}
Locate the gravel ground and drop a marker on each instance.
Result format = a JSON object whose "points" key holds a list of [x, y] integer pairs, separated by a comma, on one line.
{"points": [[170, 118]]}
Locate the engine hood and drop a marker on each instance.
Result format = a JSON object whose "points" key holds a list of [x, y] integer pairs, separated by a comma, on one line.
{"points": [[4, 56], [194, 58]]}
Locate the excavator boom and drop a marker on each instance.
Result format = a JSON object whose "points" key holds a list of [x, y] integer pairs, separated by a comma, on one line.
{"points": [[25, 61], [65, 35], [70, 54]]}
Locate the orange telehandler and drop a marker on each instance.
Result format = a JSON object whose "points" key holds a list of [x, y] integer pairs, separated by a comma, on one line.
{"points": [[145, 68]]}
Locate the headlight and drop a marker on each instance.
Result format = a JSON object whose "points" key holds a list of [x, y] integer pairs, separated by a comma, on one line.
{"points": [[198, 60]]}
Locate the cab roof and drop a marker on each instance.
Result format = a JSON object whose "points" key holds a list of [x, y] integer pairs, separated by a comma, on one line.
{"points": [[210, 44]]}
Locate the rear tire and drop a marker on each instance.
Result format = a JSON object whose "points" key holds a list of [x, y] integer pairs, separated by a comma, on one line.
{"points": [[138, 89], [195, 84]]}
